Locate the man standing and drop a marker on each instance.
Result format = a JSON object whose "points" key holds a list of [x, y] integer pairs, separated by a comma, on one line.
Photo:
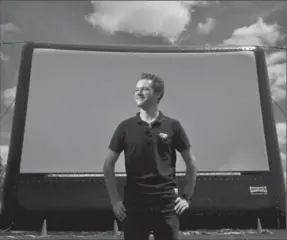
{"points": [[149, 141]]}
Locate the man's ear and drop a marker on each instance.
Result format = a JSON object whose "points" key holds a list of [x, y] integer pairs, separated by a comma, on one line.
{"points": [[158, 95]]}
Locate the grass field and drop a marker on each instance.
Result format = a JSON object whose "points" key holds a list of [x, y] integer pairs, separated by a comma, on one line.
{"points": [[203, 234]]}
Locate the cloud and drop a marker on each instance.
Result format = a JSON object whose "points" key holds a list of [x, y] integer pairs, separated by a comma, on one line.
{"points": [[283, 158], [276, 57], [166, 19], [8, 97], [4, 29], [281, 133], [5, 135], [8, 27], [4, 57], [277, 78], [278, 94], [277, 75], [207, 26], [259, 33], [4, 150]]}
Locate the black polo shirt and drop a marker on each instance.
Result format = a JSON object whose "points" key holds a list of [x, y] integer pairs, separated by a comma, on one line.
{"points": [[150, 153]]}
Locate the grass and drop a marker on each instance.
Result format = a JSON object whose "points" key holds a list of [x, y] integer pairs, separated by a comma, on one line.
{"points": [[202, 234]]}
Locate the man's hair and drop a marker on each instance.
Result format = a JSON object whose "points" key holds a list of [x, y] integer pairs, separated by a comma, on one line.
{"points": [[157, 83]]}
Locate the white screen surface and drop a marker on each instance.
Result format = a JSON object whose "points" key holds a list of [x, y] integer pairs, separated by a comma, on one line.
{"points": [[78, 98]]}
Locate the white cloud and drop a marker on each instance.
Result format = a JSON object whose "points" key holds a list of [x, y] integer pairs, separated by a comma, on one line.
{"points": [[4, 57], [259, 33], [283, 158], [277, 75], [5, 29], [8, 27], [278, 94], [167, 19], [276, 57], [207, 26], [281, 133], [4, 150], [8, 97], [4, 134]]}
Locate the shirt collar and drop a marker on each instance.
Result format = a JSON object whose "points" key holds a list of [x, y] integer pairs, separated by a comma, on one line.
{"points": [[160, 118]]}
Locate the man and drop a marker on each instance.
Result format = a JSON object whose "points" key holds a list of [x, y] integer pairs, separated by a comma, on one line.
{"points": [[149, 141]]}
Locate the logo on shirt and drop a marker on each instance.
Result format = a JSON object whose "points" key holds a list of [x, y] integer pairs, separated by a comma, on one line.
{"points": [[163, 136]]}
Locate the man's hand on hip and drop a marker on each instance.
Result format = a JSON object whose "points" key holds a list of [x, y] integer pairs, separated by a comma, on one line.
{"points": [[181, 205], [119, 210]]}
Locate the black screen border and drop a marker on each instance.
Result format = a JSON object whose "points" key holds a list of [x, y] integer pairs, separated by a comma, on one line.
{"points": [[9, 198]]}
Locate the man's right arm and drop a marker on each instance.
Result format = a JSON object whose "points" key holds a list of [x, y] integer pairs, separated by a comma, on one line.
{"points": [[110, 178], [116, 146]]}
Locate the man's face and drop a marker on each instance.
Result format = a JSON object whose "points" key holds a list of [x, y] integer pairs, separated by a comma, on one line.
{"points": [[144, 94]]}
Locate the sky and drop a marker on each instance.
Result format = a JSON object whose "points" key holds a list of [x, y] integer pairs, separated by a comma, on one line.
{"points": [[153, 23]]}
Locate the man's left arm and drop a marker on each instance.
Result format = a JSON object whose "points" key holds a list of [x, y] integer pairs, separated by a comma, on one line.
{"points": [[182, 145], [191, 171]]}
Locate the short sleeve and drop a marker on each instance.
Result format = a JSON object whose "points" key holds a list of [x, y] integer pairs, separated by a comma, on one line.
{"points": [[181, 141], [117, 142]]}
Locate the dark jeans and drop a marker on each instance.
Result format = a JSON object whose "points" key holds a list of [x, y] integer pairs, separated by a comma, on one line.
{"points": [[156, 217]]}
